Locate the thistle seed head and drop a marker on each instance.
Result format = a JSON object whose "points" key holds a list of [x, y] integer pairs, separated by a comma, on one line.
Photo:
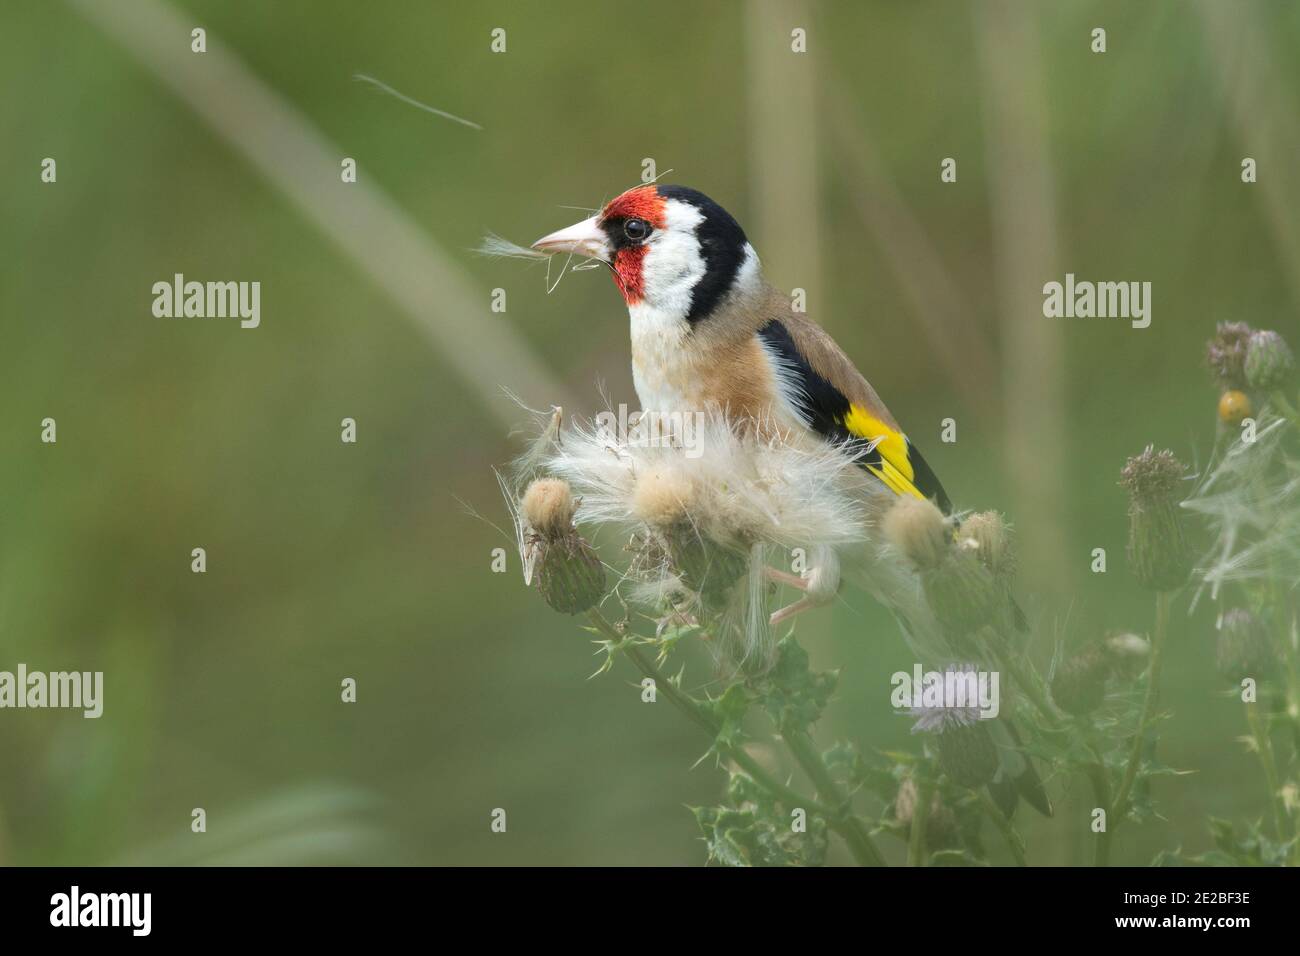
{"points": [[992, 541], [1127, 653], [1157, 547], [916, 528], [557, 559], [661, 498], [1152, 475], [1079, 684], [1244, 649], [1225, 354], [1269, 361], [548, 507]]}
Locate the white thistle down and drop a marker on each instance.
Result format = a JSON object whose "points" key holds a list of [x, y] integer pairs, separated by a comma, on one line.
{"points": [[738, 490], [753, 498], [1250, 498], [726, 490], [496, 247]]}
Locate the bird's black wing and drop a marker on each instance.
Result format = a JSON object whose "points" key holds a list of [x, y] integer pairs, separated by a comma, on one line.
{"points": [[873, 441]]}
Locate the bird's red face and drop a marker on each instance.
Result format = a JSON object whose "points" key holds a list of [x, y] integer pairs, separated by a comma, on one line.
{"points": [[629, 221], [669, 248]]}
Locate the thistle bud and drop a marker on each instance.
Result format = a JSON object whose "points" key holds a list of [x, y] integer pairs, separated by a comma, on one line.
{"points": [[706, 567], [1269, 362], [1079, 684], [1157, 548], [967, 753], [664, 502], [966, 749], [916, 528], [992, 542], [990, 537], [1226, 354], [940, 821], [961, 592], [959, 588], [1244, 649], [566, 569], [1128, 654], [570, 575]]}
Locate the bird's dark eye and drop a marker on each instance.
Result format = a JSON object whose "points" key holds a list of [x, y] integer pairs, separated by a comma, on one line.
{"points": [[636, 229]]}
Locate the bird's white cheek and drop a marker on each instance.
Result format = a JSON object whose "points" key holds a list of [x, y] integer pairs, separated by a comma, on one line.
{"points": [[671, 268]]}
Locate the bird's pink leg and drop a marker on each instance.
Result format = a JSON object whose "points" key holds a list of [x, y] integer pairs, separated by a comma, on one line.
{"points": [[785, 577], [819, 586], [789, 611]]}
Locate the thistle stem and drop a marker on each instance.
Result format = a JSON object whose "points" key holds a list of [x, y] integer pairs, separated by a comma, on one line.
{"points": [[843, 822], [920, 819], [1264, 747], [1032, 687], [1101, 793], [696, 713], [1014, 843], [1287, 409], [838, 816], [1163, 601]]}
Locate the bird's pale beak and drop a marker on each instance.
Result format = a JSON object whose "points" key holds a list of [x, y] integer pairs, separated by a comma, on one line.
{"points": [[586, 238]]}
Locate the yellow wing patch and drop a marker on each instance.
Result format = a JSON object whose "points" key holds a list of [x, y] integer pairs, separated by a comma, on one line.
{"points": [[893, 466]]}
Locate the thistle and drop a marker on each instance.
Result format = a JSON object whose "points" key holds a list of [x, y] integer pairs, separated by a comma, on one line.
{"points": [[1269, 361], [1244, 649], [1157, 547], [916, 528], [961, 592], [989, 536], [991, 541], [702, 516], [967, 753], [664, 502], [566, 569], [940, 821], [959, 588], [1079, 684], [548, 506], [1127, 654], [1225, 354]]}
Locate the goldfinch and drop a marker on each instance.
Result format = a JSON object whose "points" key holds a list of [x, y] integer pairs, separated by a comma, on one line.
{"points": [[709, 332]]}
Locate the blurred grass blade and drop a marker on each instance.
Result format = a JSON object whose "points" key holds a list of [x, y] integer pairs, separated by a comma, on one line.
{"points": [[367, 226]]}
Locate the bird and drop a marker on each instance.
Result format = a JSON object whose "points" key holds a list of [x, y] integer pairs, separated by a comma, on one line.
{"points": [[708, 331]]}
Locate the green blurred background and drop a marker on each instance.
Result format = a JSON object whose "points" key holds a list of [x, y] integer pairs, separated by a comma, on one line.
{"points": [[328, 560]]}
